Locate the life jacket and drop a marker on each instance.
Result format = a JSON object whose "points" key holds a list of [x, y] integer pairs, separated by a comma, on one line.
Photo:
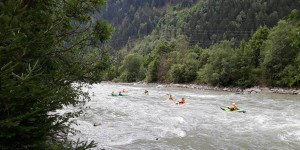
{"points": [[233, 107], [181, 102]]}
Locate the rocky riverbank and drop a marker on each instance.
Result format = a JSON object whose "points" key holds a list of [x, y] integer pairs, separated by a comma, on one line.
{"points": [[256, 89]]}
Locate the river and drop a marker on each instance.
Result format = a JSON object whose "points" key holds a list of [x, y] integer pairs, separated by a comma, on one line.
{"points": [[139, 121]]}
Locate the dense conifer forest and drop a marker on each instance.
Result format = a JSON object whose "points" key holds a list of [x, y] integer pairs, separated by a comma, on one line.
{"points": [[222, 43]]}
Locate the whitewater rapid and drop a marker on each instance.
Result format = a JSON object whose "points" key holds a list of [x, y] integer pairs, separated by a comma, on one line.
{"points": [[140, 121]]}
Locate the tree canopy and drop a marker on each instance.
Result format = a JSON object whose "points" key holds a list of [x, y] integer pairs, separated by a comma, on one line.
{"points": [[46, 47], [256, 51]]}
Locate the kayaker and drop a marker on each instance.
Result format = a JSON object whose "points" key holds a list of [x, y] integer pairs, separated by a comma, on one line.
{"points": [[233, 107], [112, 93], [146, 92], [182, 101], [170, 97], [120, 93]]}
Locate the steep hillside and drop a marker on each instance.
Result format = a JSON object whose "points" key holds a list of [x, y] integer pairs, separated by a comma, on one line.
{"points": [[222, 43], [204, 22], [218, 19], [136, 18]]}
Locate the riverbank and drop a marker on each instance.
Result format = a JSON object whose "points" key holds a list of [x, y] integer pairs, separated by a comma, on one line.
{"points": [[252, 90]]}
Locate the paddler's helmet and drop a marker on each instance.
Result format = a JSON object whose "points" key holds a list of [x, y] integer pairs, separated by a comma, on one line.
{"points": [[233, 103]]}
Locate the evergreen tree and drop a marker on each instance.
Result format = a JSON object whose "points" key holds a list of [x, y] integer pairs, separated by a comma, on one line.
{"points": [[45, 47]]}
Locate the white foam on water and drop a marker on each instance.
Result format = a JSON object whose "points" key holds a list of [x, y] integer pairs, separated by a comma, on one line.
{"points": [[136, 120]]}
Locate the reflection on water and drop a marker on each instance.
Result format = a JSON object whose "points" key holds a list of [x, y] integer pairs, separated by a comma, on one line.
{"points": [[140, 121]]}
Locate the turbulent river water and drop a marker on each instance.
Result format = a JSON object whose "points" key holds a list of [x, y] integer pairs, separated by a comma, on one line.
{"points": [[140, 121]]}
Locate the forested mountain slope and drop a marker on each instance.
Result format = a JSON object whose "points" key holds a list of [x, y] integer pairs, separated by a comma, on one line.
{"points": [[220, 19], [222, 43], [204, 22], [135, 18]]}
